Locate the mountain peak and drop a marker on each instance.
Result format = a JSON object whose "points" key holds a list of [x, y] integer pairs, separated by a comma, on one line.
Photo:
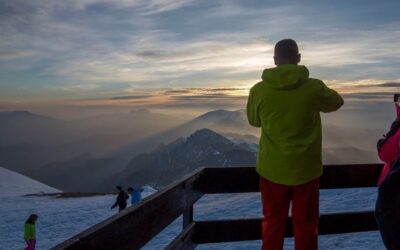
{"points": [[219, 115], [17, 113], [140, 111], [21, 112], [202, 148], [207, 136], [24, 114], [204, 131]]}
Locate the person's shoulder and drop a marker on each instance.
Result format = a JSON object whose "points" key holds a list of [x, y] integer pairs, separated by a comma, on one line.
{"points": [[316, 84], [316, 81], [257, 86]]}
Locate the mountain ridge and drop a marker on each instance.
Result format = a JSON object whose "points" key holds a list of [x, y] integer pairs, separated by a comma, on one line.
{"points": [[202, 148]]}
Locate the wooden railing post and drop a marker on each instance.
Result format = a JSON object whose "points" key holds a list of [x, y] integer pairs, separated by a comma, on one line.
{"points": [[187, 217]]}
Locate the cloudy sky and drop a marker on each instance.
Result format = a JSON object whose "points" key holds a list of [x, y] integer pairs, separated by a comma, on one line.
{"points": [[174, 52]]}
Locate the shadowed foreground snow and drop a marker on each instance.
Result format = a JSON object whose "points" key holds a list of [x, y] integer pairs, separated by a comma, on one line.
{"points": [[63, 218], [248, 205]]}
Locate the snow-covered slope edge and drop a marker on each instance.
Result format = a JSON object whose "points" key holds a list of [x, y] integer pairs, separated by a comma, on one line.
{"points": [[12, 183]]}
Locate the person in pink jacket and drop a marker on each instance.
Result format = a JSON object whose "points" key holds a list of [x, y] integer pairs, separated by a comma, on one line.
{"points": [[387, 205], [389, 147]]}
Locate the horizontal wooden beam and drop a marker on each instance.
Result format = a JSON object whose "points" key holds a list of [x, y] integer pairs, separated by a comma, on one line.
{"points": [[183, 240], [351, 176], [250, 229], [218, 180], [229, 180], [227, 231], [135, 226]]}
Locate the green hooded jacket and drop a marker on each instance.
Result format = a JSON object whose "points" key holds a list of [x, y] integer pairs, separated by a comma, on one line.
{"points": [[29, 231], [286, 104]]}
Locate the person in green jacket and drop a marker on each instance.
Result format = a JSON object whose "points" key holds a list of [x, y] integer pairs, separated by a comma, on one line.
{"points": [[30, 232], [286, 105]]}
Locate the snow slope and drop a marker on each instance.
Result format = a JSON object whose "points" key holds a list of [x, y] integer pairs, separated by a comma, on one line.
{"points": [[60, 219], [12, 183]]}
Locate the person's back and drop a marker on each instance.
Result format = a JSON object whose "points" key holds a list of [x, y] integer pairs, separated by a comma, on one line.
{"points": [[136, 194], [286, 104]]}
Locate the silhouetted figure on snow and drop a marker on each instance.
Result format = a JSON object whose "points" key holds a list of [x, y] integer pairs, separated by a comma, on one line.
{"points": [[121, 199], [30, 232]]}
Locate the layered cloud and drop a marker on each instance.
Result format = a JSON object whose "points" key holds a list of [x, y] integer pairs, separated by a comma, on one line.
{"points": [[99, 49]]}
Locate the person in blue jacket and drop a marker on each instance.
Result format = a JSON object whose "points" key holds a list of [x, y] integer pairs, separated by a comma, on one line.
{"points": [[136, 194]]}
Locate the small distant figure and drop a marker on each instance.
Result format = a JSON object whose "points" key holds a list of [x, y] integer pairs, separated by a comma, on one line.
{"points": [[136, 194], [121, 199], [30, 232], [388, 202]]}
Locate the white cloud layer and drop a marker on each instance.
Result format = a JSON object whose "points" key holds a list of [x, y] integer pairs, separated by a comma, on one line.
{"points": [[103, 46]]}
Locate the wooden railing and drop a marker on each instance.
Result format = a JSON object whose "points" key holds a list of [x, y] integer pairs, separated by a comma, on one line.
{"points": [[135, 226]]}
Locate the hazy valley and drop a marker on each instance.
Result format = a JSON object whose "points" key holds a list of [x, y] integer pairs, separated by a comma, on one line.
{"points": [[145, 147]]}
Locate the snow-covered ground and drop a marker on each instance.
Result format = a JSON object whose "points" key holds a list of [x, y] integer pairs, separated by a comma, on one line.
{"points": [[12, 183], [233, 206], [59, 219], [62, 218]]}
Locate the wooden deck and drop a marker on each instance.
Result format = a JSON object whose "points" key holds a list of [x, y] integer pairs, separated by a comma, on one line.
{"points": [[135, 226]]}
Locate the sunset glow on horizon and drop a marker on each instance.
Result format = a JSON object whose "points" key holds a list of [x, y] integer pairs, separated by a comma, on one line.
{"points": [[172, 53]]}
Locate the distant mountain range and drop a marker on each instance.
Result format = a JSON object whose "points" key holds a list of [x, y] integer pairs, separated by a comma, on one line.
{"points": [[157, 168], [23, 127], [232, 123], [80, 173], [29, 141], [169, 162], [18, 127], [136, 148], [348, 155], [61, 164]]}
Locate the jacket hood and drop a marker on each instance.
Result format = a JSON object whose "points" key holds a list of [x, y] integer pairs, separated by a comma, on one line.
{"points": [[286, 76]]}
